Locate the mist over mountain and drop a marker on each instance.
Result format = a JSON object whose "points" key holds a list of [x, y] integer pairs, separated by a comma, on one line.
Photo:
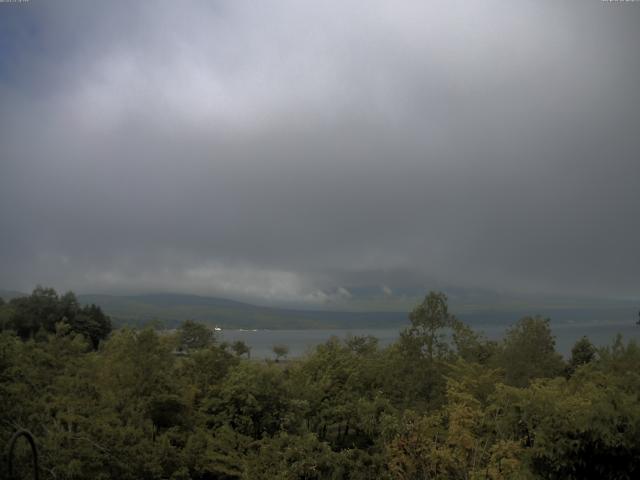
{"points": [[366, 307], [477, 310]]}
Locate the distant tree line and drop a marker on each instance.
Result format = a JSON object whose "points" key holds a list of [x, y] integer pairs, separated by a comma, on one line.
{"points": [[442, 402], [44, 312]]}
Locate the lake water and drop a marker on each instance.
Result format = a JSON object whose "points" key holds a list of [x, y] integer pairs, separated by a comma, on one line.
{"points": [[301, 342]]}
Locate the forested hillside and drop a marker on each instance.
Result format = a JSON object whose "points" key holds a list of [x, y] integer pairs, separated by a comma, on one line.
{"points": [[169, 310], [441, 403]]}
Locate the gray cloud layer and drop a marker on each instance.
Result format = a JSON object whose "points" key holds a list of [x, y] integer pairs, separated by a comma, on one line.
{"points": [[276, 149]]}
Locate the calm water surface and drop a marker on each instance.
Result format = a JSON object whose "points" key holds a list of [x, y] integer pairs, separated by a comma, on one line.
{"points": [[301, 342]]}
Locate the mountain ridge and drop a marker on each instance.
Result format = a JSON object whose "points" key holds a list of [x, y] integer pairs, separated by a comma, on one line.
{"points": [[168, 310]]}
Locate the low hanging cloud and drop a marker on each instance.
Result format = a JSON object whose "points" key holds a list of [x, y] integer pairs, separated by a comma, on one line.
{"points": [[290, 151]]}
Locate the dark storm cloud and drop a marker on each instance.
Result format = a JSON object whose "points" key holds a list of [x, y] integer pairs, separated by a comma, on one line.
{"points": [[282, 150]]}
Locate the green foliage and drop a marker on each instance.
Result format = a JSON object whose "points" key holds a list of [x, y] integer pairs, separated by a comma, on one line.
{"points": [[362, 345], [281, 351], [582, 353], [241, 348], [202, 370], [472, 346], [92, 323], [254, 400], [528, 352], [583, 427], [290, 457], [441, 403], [419, 362], [195, 335], [459, 440], [428, 321], [36, 315], [6, 315]]}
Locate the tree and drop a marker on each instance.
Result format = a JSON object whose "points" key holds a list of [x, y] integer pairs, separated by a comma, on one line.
{"points": [[583, 427], [528, 352], [91, 322], [460, 440], [349, 409], [195, 335], [417, 364], [289, 457], [281, 351], [255, 400], [6, 315], [241, 348], [40, 312], [470, 345], [582, 353], [362, 345], [218, 454], [428, 320], [205, 368]]}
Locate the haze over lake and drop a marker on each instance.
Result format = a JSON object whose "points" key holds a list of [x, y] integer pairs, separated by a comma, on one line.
{"points": [[301, 342]]}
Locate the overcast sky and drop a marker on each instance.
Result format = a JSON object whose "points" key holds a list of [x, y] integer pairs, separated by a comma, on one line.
{"points": [[280, 150]]}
